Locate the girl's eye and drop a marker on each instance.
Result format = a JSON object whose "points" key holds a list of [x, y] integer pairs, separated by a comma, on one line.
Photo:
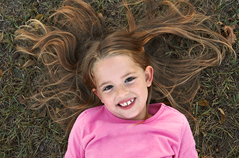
{"points": [[107, 88], [129, 79]]}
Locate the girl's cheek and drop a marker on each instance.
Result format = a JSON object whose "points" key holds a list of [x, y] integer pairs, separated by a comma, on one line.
{"points": [[107, 94]]}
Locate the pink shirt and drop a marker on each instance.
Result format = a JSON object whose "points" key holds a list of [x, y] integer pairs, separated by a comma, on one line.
{"points": [[99, 134]]}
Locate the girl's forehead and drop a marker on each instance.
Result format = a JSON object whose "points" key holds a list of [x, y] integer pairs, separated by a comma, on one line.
{"points": [[114, 61], [114, 65]]}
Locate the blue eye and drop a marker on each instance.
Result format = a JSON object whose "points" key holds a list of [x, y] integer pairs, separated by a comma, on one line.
{"points": [[108, 88], [129, 79]]}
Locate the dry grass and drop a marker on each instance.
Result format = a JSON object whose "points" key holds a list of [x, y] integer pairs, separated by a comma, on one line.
{"points": [[26, 133]]}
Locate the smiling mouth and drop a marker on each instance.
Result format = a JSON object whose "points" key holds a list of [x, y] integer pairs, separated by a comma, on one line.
{"points": [[127, 103]]}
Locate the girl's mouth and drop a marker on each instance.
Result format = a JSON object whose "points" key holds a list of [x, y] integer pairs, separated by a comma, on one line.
{"points": [[127, 104]]}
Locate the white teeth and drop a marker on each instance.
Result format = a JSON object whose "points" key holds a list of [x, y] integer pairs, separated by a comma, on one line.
{"points": [[127, 103]]}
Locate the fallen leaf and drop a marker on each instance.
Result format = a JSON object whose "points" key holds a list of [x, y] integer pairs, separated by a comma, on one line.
{"points": [[113, 13], [219, 23], [197, 132], [28, 63], [36, 4], [21, 100], [57, 110], [231, 37], [230, 9], [1, 36], [217, 149], [223, 115], [233, 26], [203, 102], [16, 55], [41, 147], [1, 73], [42, 113], [39, 17]]}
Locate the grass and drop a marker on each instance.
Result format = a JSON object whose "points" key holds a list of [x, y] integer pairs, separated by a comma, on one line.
{"points": [[27, 133]]}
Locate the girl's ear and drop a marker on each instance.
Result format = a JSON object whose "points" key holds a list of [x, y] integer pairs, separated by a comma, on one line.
{"points": [[149, 73], [96, 93]]}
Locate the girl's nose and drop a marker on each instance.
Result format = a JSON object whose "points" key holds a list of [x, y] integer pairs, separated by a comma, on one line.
{"points": [[122, 91]]}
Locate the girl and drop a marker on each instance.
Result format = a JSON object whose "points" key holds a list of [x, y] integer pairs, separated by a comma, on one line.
{"points": [[114, 80]]}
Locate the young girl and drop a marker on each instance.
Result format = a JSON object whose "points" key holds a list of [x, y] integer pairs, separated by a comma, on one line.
{"points": [[114, 80]]}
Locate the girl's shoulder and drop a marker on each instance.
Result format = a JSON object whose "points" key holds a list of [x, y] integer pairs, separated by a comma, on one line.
{"points": [[165, 113], [160, 108], [91, 113], [94, 110]]}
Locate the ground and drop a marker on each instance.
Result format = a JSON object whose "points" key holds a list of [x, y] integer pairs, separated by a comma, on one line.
{"points": [[29, 133]]}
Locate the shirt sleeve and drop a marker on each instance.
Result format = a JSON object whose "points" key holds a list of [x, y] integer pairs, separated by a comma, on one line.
{"points": [[187, 146], [74, 148]]}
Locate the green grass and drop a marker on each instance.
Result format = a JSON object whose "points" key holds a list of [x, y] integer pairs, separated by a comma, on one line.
{"points": [[27, 133]]}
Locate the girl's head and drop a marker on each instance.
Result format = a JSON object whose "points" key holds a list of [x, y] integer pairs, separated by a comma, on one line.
{"points": [[118, 71]]}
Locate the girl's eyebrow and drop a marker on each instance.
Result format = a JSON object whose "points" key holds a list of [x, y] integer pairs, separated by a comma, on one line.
{"points": [[127, 74], [103, 84]]}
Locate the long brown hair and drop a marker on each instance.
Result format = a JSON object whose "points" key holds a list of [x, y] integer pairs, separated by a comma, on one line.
{"points": [[178, 45]]}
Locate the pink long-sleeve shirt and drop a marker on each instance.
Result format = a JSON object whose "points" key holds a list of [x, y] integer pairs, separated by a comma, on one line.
{"points": [[99, 134]]}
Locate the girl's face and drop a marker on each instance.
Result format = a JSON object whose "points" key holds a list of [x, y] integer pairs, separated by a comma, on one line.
{"points": [[121, 84]]}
